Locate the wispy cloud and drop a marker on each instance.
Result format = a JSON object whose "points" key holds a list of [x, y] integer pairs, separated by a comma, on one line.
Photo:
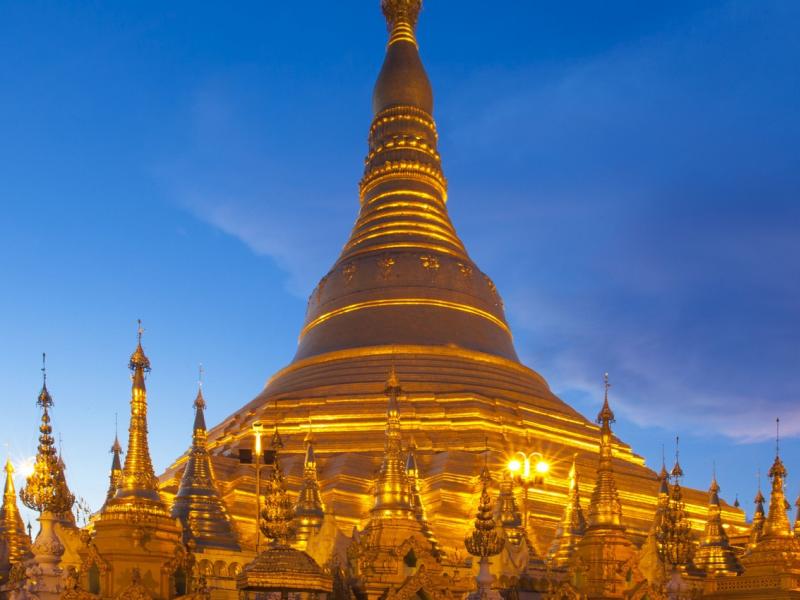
{"points": [[644, 214], [650, 218]]}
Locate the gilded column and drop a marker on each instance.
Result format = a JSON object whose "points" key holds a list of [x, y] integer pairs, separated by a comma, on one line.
{"points": [[12, 529]]}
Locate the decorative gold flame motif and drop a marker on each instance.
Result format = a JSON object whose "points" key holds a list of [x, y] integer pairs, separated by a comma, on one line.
{"points": [[46, 488]]}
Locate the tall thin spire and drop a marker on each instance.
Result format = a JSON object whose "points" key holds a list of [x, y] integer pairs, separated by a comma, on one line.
{"points": [[115, 474], [415, 495], [198, 503], [605, 508], [572, 526], [391, 486], [715, 555], [759, 516], [605, 547], [139, 481], [12, 529]]}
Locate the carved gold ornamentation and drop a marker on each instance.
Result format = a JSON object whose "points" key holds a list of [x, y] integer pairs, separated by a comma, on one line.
{"points": [[385, 264], [348, 272], [429, 262]]}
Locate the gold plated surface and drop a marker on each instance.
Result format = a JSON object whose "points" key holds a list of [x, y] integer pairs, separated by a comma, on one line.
{"points": [[12, 529], [198, 504]]}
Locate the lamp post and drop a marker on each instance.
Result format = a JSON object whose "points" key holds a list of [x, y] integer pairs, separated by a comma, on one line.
{"points": [[527, 469], [258, 428]]}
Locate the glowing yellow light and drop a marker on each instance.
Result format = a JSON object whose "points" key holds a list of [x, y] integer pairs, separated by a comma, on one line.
{"points": [[25, 467], [514, 466], [257, 428], [542, 467]]}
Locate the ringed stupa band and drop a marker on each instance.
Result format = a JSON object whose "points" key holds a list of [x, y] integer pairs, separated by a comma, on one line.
{"points": [[404, 454]]}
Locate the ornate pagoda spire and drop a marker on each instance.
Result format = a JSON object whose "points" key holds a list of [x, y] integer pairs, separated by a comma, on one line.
{"points": [[404, 261], [115, 474], [605, 547], [277, 516], [674, 535], [391, 486], [776, 550], [572, 526], [605, 508], [486, 539], [759, 517], [415, 495], [46, 488], [715, 555], [310, 509], [198, 504], [139, 483], [12, 529]]}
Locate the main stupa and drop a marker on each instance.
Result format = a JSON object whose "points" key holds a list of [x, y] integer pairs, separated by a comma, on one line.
{"points": [[404, 293]]}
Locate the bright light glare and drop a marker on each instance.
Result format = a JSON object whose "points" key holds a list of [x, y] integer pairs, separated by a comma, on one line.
{"points": [[24, 467], [542, 467], [514, 466]]}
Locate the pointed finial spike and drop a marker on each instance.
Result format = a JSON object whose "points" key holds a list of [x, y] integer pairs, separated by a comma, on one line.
{"points": [[139, 329], [778, 436]]}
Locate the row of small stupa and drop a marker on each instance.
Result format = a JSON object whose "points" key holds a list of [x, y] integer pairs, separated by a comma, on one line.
{"points": [[591, 555]]}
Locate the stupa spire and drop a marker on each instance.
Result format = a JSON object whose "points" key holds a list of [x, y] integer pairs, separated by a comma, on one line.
{"points": [[138, 477], [12, 528], [759, 516], [674, 534], [46, 488], [310, 509], [415, 496], [198, 504], [777, 522], [115, 474], [507, 512], [391, 486], [404, 262], [605, 508], [715, 555], [572, 526]]}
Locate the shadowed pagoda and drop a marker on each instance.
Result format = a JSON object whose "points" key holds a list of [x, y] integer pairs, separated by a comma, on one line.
{"points": [[404, 292]]}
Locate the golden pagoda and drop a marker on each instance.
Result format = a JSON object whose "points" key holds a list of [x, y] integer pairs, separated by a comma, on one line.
{"points": [[572, 526], [280, 569], [405, 292], [603, 565], [392, 556], [772, 566], [715, 555], [12, 530], [759, 517], [198, 505], [115, 473], [135, 529], [46, 492]]}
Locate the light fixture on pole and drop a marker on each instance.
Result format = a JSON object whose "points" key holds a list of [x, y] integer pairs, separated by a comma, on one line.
{"points": [[526, 470]]}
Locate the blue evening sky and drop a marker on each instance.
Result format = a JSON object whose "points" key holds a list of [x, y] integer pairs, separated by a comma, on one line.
{"points": [[628, 172]]}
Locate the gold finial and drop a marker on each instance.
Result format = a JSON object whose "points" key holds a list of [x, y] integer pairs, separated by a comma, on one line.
{"points": [[200, 401], [401, 13], [778, 436], [44, 400], [486, 538], [139, 360], [677, 471], [606, 415]]}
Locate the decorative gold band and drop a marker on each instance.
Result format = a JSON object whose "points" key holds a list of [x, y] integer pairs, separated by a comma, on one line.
{"points": [[405, 302]]}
